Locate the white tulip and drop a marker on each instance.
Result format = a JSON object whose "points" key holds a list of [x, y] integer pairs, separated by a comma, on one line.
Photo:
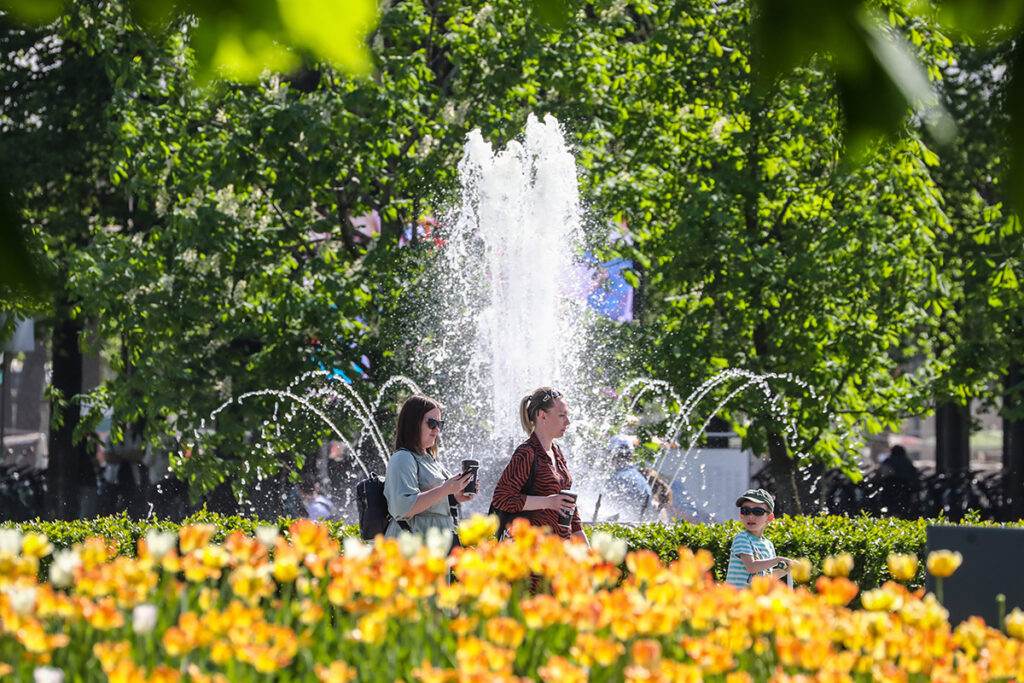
{"points": [[611, 549], [144, 619], [439, 541], [267, 535], [47, 674], [160, 543], [62, 571], [10, 541], [23, 600], [577, 551], [355, 548], [409, 543]]}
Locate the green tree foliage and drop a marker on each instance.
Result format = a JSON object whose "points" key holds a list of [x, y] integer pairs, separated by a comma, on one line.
{"points": [[758, 247], [780, 258], [877, 74], [238, 268], [982, 254], [65, 88], [235, 40]]}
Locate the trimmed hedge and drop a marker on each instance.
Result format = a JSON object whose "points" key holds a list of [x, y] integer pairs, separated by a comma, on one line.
{"points": [[869, 540]]}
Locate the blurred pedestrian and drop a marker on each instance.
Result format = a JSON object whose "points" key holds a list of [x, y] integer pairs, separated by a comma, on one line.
{"points": [[900, 484]]}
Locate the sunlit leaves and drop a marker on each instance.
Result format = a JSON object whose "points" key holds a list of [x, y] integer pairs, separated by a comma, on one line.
{"points": [[240, 40]]}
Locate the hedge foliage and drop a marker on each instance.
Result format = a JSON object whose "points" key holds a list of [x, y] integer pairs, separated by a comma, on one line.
{"points": [[869, 540]]}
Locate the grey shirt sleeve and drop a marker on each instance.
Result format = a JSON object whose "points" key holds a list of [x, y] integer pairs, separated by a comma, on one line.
{"points": [[401, 483]]}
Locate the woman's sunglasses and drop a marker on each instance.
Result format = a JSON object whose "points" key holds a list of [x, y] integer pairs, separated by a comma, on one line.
{"points": [[757, 512], [434, 424]]}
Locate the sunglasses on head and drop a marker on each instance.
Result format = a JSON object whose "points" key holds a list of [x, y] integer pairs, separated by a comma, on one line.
{"points": [[434, 424], [757, 512], [549, 395]]}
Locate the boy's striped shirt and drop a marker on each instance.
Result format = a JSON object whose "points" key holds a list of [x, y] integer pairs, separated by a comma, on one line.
{"points": [[748, 544]]}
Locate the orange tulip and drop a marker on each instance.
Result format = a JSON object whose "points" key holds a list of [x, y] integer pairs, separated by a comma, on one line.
{"points": [[505, 632], [561, 669], [646, 653], [427, 673], [195, 536], [838, 591], [336, 672], [645, 565]]}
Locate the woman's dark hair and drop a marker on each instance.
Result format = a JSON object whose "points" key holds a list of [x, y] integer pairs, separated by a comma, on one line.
{"points": [[541, 399], [410, 420]]}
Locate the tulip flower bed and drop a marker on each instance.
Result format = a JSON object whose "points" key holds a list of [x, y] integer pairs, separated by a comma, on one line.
{"points": [[870, 541], [304, 606]]}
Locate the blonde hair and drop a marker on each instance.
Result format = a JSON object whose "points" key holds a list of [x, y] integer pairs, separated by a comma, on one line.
{"points": [[540, 399]]}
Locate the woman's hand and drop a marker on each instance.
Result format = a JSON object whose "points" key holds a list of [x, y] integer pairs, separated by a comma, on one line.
{"points": [[461, 497], [560, 503], [455, 485]]}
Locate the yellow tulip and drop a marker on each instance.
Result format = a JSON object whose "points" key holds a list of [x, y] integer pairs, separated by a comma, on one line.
{"points": [[590, 648], [838, 565], [1015, 623], [878, 600], [903, 567], [477, 528], [801, 570], [36, 545], [286, 568], [942, 563]]}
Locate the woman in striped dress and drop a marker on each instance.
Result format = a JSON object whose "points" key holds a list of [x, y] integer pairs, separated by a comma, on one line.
{"points": [[544, 415]]}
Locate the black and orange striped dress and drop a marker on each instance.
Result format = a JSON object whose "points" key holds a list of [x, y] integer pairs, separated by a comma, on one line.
{"points": [[510, 496]]}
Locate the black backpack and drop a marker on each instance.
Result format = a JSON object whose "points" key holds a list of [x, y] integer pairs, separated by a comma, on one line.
{"points": [[372, 505], [505, 518], [373, 508]]}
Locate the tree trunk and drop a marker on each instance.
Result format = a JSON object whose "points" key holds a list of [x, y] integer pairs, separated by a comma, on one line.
{"points": [[29, 415], [784, 471], [952, 438], [68, 467], [1013, 446]]}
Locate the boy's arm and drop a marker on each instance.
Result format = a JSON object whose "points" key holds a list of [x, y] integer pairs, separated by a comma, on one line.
{"points": [[757, 566]]}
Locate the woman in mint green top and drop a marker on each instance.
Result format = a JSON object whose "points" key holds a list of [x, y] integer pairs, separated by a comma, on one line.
{"points": [[416, 484]]}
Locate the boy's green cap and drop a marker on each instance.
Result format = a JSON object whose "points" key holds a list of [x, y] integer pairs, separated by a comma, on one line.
{"points": [[758, 496]]}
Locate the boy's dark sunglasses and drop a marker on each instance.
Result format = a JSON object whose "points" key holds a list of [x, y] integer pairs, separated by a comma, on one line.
{"points": [[435, 424], [757, 512]]}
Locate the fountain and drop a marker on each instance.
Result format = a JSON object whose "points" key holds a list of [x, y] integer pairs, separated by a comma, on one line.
{"points": [[512, 286]]}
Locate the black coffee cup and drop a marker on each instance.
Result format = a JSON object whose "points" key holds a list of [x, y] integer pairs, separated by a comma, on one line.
{"points": [[565, 518], [473, 466]]}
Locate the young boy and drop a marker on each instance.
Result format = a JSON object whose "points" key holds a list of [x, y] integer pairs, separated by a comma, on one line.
{"points": [[751, 553]]}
